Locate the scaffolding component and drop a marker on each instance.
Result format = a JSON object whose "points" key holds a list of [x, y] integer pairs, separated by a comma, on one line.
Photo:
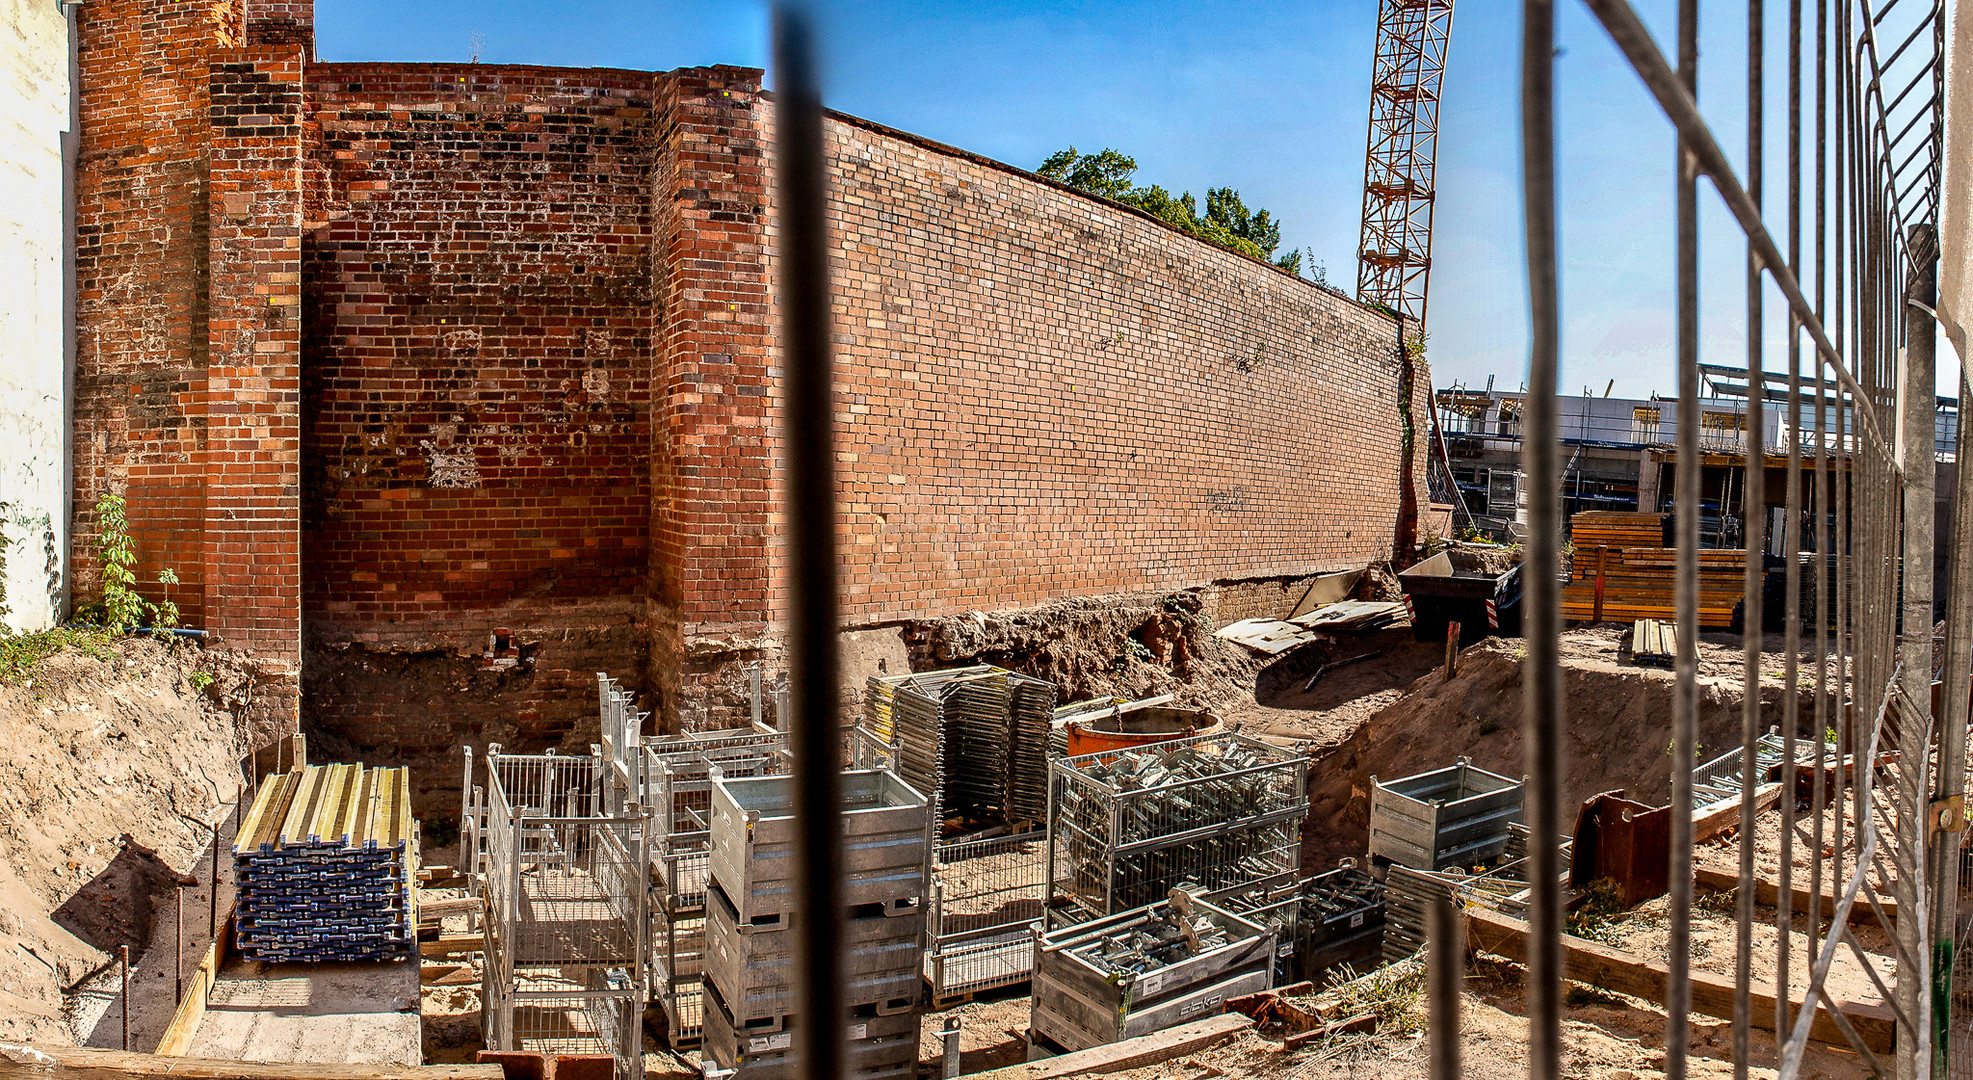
{"points": [[1126, 828], [324, 863], [1342, 924], [985, 895], [974, 739], [1455, 816]]}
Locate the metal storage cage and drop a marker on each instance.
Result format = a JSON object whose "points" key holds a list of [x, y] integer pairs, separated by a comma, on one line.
{"points": [[1134, 973], [886, 846], [985, 894], [1126, 828], [973, 739], [567, 908], [1455, 816]]}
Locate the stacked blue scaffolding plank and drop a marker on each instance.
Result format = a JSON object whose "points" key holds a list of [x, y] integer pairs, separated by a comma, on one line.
{"points": [[324, 865]]}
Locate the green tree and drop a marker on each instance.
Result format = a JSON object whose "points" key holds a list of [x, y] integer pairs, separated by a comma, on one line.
{"points": [[1226, 222]]}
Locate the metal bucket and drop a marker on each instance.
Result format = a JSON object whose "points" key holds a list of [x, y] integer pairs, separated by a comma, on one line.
{"points": [[1131, 729]]}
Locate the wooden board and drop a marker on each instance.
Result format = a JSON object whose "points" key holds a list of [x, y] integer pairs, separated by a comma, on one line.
{"points": [[1768, 892], [184, 1026], [1712, 995], [117, 1061], [1129, 1054]]}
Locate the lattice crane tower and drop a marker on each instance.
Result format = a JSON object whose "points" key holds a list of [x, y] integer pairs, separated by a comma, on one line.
{"points": [[1395, 257]]}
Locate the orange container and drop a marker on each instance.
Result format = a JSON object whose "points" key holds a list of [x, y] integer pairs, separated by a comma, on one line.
{"points": [[1132, 728]]}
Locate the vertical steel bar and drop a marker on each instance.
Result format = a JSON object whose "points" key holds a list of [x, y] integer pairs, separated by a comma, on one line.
{"points": [[1791, 530], [1921, 408], [1448, 970], [1685, 698], [1753, 521], [212, 890], [178, 944], [123, 968], [811, 516], [1543, 715], [1817, 794], [1958, 672]]}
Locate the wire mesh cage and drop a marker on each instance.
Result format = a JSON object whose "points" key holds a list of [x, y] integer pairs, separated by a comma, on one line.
{"points": [[1276, 903], [1126, 828], [599, 1012], [985, 895]]}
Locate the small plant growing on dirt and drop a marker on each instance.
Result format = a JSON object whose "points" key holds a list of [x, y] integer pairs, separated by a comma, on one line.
{"points": [[201, 680], [1133, 649], [1394, 994], [123, 607], [1596, 917], [1581, 994], [1488, 725]]}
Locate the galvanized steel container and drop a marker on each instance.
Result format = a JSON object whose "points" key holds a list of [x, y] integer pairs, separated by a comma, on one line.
{"points": [[1455, 816], [886, 844]]}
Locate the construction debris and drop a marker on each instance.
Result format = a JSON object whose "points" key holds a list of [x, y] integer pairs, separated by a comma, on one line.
{"points": [[324, 863]]}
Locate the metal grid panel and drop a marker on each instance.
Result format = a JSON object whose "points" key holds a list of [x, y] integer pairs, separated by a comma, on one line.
{"points": [[1125, 828], [548, 1013], [975, 739], [985, 895]]}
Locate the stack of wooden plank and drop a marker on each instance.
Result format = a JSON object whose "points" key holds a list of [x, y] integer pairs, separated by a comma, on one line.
{"points": [[1623, 557], [324, 864], [1653, 642]]}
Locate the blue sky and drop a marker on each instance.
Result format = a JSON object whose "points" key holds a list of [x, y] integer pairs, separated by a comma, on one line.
{"points": [[1268, 97]]}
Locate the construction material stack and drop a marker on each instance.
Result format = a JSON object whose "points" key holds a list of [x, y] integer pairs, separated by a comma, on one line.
{"points": [[324, 864], [1451, 817], [750, 976], [1623, 569], [1125, 828], [973, 739], [1144, 970]]}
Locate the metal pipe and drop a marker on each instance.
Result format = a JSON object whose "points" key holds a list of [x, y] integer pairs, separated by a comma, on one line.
{"points": [[1543, 718], [1753, 522], [1447, 972], [1921, 407], [811, 516], [212, 891], [123, 965]]}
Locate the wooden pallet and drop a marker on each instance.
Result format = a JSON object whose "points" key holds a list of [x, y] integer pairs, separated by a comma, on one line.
{"points": [[1653, 642]]}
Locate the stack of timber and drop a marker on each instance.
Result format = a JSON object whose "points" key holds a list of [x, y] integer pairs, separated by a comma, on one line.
{"points": [[1622, 570], [324, 864], [1654, 642]]}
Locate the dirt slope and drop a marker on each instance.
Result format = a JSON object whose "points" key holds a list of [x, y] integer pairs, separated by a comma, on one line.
{"points": [[1619, 730], [107, 769]]}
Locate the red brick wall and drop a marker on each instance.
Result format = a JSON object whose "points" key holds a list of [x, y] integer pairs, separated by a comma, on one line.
{"points": [[477, 297], [141, 313]]}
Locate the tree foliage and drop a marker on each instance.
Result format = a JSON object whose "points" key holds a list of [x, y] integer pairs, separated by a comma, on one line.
{"points": [[1226, 221]]}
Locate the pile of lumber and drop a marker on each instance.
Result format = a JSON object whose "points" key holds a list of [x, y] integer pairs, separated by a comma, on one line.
{"points": [[324, 863], [1622, 571]]}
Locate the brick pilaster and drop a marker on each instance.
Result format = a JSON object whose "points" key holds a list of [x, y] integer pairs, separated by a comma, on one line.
{"points": [[282, 22], [712, 448], [253, 407]]}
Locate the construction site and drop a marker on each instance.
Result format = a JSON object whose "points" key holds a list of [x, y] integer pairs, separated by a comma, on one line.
{"points": [[515, 572]]}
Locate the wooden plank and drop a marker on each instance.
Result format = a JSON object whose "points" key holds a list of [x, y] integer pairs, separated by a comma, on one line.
{"points": [[452, 945], [1712, 995], [431, 910], [1128, 1054], [184, 1026], [1715, 818], [1768, 892], [116, 1061]]}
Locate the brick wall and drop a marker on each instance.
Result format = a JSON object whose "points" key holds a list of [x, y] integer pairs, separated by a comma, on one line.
{"points": [[478, 323], [141, 250]]}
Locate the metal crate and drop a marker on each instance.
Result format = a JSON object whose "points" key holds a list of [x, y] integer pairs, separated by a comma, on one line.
{"points": [[1125, 828], [985, 894], [1083, 1000], [754, 970], [548, 1013], [1455, 816], [877, 1046], [886, 845], [1276, 903], [974, 739], [1342, 923]]}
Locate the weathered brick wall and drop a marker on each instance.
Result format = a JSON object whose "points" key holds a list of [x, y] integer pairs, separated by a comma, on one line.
{"points": [[141, 251], [478, 311], [478, 324]]}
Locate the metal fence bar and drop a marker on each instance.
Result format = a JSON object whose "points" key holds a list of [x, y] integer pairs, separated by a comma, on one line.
{"points": [[1543, 703], [801, 192]]}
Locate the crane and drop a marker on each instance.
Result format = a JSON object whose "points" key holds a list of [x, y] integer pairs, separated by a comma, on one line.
{"points": [[1395, 257]]}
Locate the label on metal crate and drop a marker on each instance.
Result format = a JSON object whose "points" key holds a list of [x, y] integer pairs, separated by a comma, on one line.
{"points": [[1356, 920], [858, 1031], [781, 1040], [1150, 983]]}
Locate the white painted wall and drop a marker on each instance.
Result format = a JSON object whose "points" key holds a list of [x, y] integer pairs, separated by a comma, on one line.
{"points": [[34, 113]]}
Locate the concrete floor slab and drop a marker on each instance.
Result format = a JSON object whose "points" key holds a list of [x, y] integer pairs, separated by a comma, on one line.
{"points": [[359, 1014]]}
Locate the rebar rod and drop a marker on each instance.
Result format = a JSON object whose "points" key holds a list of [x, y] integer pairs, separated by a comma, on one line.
{"points": [[1791, 540], [1543, 720], [1447, 971], [811, 518]]}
